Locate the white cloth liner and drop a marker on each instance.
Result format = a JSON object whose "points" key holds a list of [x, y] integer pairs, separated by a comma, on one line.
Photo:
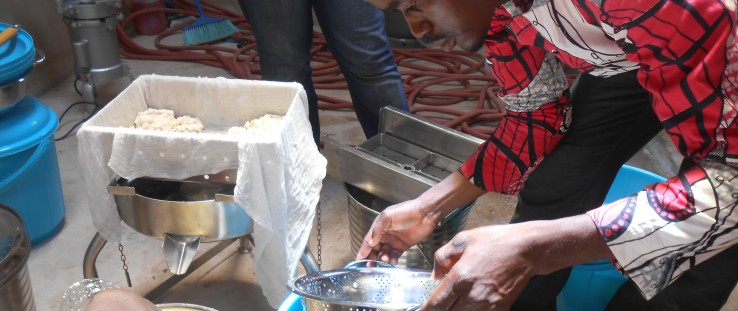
{"points": [[279, 174]]}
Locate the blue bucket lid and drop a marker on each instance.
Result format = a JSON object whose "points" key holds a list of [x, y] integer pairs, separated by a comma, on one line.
{"points": [[16, 55], [26, 125]]}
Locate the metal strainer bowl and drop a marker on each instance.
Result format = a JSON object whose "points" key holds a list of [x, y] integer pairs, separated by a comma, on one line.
{"points": [[358, 289]]}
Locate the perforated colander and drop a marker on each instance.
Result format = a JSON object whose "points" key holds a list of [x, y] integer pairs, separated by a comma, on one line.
{"points": [[364, 288]]}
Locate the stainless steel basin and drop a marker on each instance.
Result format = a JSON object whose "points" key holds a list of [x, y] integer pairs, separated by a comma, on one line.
{"points": [[182, 213], [154, 207]]}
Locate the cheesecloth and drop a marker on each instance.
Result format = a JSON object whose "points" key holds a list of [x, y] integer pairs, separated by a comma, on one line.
{"points": [[279, 174]]}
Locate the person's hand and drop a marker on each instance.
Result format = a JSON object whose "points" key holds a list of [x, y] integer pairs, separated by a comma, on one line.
{"points": [[487, 268], [403, 225], [482, 269], [395, 230], [122, 299]]}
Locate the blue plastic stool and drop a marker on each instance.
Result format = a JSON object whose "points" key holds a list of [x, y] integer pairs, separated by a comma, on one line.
{"points": [[591, 286]]}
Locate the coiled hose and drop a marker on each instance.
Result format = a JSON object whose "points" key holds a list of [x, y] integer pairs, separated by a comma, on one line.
{"points": [[453, 88]]}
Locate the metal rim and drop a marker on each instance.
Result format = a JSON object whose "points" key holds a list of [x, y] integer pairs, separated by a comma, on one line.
{"points": [[19, 250], [291, 285], [164, 306]]}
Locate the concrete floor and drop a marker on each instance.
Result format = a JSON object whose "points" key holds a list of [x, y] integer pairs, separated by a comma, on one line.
{"points": [[227, 281]]}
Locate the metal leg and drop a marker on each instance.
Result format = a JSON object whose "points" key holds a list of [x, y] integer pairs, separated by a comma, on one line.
{"points": [[89, 271], [308, 261]]}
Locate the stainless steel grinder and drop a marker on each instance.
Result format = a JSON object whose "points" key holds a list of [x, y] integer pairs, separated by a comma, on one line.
{"points": [[92, 26]]}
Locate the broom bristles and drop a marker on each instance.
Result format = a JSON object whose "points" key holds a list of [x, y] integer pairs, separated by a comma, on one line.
{"points": [[206, 30]]}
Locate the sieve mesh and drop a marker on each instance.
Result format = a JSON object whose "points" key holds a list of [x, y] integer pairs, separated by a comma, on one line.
{"points": [[386, 288]]}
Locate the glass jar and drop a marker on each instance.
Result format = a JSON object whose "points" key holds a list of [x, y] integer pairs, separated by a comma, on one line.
{"points": [[78, 296]]}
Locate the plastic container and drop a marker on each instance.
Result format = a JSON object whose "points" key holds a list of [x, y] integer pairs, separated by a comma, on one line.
{"points": [[292, 303], [16, 55], [29, 173], [591, 286], [151, 23], [79, 294], [15, 283]]}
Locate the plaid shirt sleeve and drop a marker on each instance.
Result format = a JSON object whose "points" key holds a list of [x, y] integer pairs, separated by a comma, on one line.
{"points": [[534, 89], [687, 51]]}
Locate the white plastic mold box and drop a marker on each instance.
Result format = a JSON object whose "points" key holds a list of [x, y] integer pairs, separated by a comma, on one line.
{"points": [[219, 102]]}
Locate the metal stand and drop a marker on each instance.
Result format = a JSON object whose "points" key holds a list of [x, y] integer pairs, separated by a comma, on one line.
{"points": [[89, 269]]}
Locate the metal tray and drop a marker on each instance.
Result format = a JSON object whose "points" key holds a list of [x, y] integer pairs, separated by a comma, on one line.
{"points": [[407, 157]]}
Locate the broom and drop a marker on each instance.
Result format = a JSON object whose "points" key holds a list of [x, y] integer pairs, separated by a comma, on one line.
{"points": [[207, 29], [8, 33]]}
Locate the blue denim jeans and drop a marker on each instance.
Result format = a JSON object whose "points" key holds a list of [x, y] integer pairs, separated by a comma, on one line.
{"points": [[354, 30]]}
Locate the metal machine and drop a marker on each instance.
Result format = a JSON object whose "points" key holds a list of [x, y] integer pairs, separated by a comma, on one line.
{"points": [[92, 26], [408, 156]]}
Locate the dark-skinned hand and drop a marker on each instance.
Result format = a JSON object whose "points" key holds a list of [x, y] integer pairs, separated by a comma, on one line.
{"points": [[481, 269], [395, 230]]}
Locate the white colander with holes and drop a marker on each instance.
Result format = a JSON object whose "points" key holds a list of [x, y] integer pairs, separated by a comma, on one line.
{"points": [[364, 288]]}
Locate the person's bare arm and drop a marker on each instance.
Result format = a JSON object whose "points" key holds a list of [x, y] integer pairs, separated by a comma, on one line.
{"points": [[487, 268], [405, 224], [119, 299]]}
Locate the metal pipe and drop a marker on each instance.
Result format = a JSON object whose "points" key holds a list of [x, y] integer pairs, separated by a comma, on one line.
{"points": [[89, 271], [308, 261]]}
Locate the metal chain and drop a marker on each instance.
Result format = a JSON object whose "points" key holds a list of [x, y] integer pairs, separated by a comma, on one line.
{"points": [[125, 266], [319, 237]]}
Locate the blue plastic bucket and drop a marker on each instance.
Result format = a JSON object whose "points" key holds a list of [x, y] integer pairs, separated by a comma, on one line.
{"points": [[591, 286], [29, 172], [292, 303]]}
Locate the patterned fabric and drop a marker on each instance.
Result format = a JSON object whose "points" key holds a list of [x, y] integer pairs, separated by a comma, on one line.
{"points": [[686, 55]]}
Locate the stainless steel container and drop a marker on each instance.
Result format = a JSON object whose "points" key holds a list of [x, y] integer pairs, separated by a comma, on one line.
{"points": [[15, 247], [405, 159], [363, 207], [11, 94], [182, 213], [155, 207]]}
